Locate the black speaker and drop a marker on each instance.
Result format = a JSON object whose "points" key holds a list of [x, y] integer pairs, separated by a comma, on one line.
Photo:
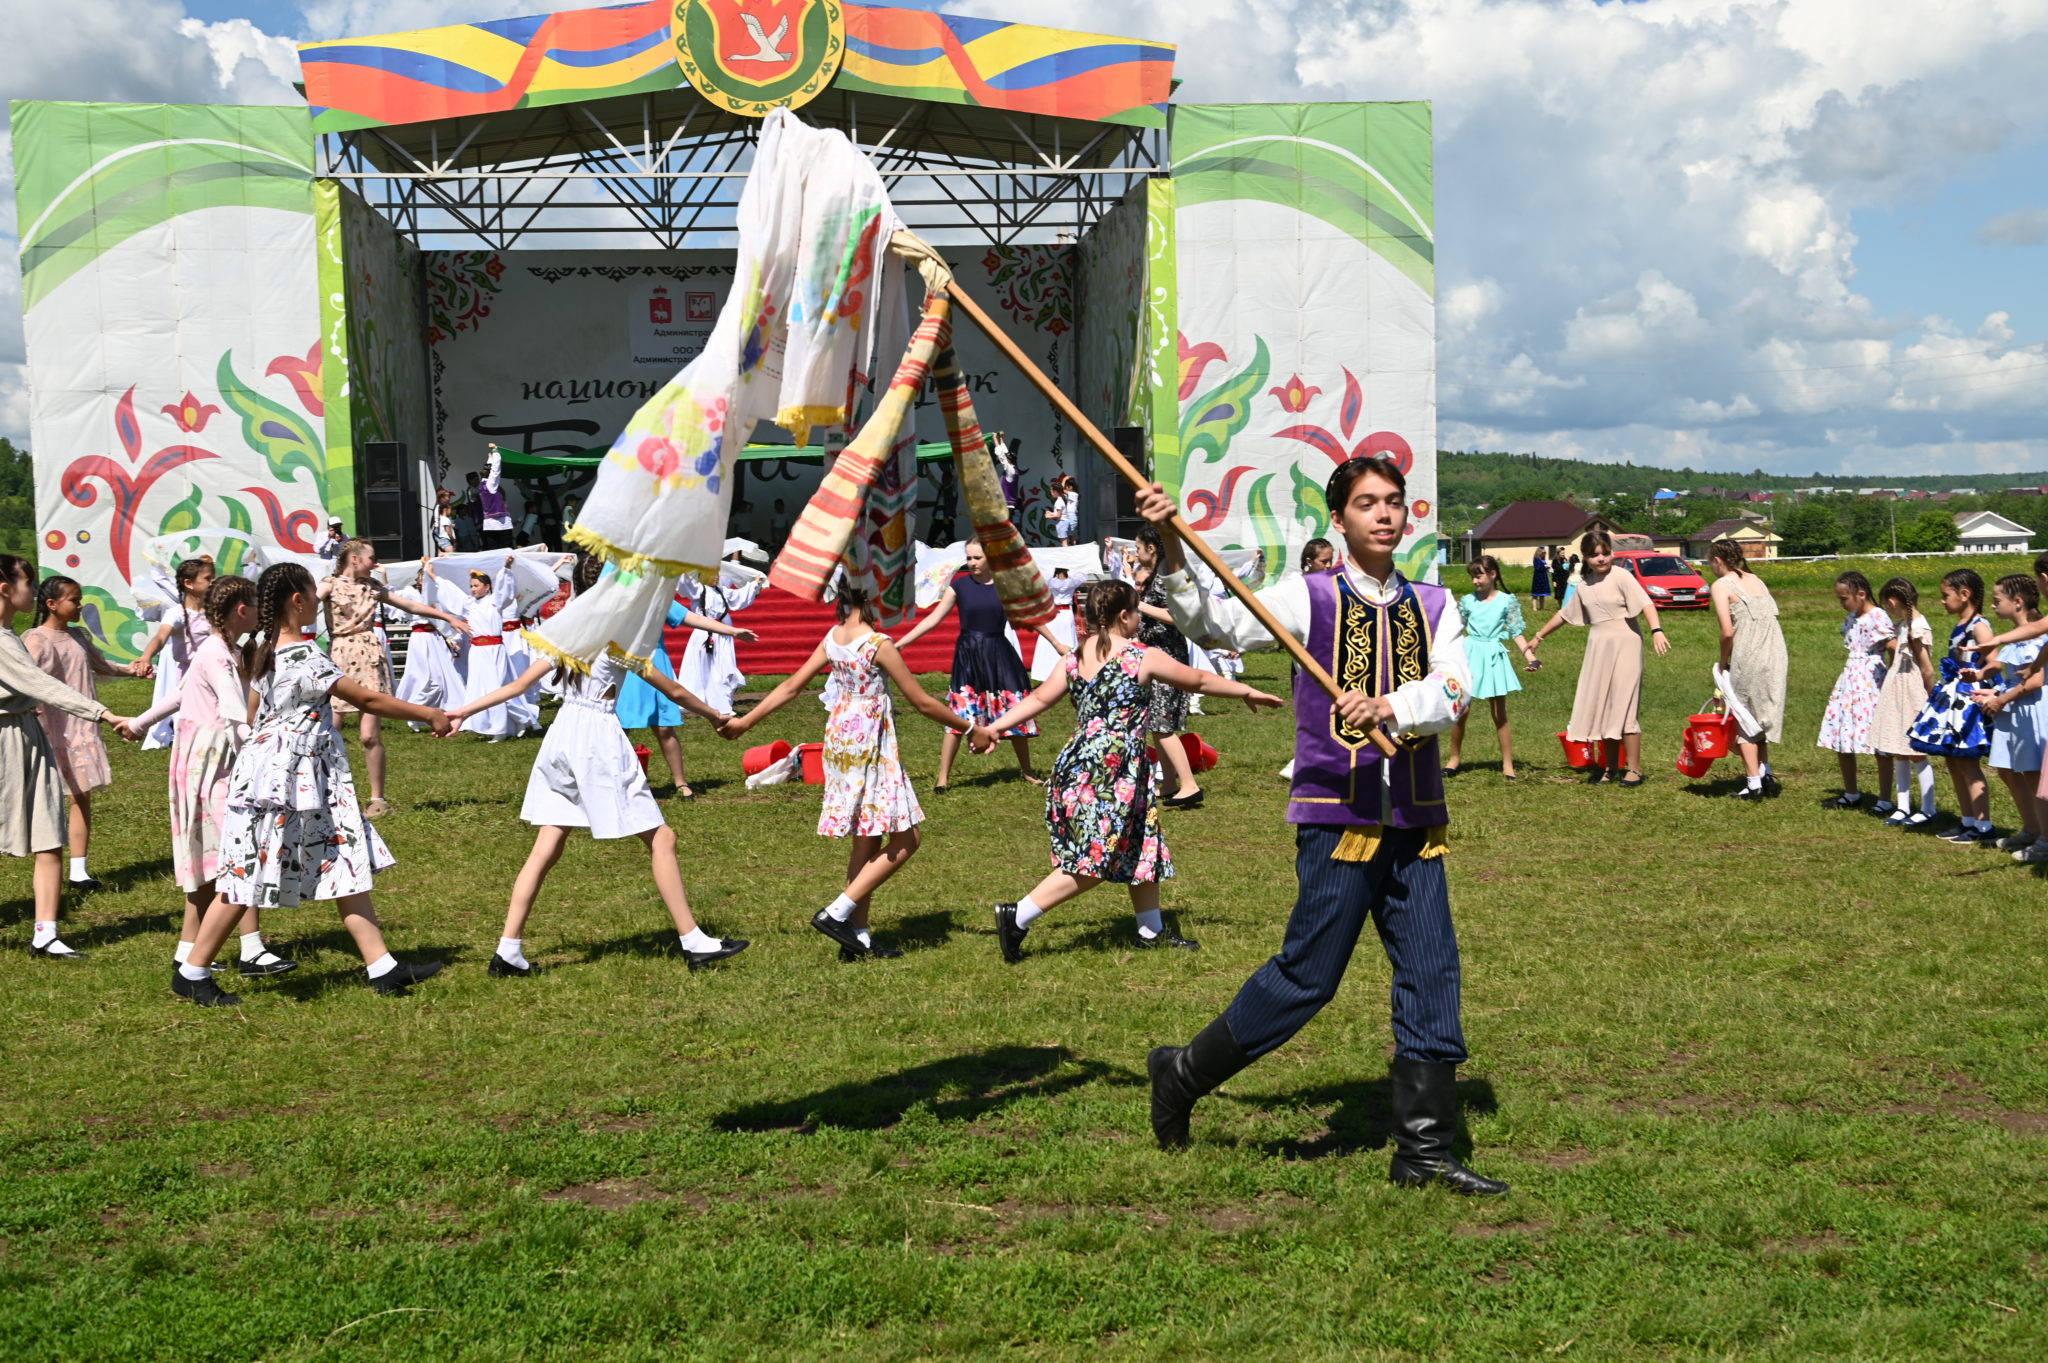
{"points": [[1130, 443], [388, 502]]}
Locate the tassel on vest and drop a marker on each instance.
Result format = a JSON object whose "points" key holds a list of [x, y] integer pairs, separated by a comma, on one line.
{"points": [[1363, 843]]}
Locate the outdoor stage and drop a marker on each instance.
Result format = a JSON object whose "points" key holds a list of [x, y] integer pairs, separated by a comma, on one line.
{"points": [[253, 318]]}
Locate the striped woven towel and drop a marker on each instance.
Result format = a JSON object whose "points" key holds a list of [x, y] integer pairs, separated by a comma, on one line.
{"points": [[1018, 582], [868, 469]]}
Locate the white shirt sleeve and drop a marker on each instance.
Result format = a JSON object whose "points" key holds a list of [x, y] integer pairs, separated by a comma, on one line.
{"points": [[1434, 704], [491, 468], [1226, 623]]}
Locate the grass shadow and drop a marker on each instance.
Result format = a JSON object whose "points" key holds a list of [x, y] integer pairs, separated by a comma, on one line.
{"points": [[439, 806], [959, 1088], [1361, 1117], [921, 932], [1713, 790]]}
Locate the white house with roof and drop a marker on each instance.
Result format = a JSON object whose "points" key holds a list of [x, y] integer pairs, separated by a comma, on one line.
{"points": [[1987, 532]]}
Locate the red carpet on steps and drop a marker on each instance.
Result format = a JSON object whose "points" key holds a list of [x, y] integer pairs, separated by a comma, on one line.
{"points": [[791, 628]]}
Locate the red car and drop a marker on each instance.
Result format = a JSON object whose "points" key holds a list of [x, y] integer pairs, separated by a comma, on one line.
{"points": [[1670, 580]]}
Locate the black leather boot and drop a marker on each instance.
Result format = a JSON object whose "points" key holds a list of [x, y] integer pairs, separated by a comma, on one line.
{"points": [[1425, 1120], [1181, 1074]]}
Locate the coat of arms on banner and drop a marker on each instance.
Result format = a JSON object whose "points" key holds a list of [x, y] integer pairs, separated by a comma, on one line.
{"points": [[750, 56]]}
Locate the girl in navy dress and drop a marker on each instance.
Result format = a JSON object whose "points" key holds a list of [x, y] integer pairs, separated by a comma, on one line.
{"points": [[1951, 724], [2010, 697]]}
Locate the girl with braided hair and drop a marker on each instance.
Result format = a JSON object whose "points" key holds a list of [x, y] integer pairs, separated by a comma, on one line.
{"points": [[211, 706], [31, 788], [294, 830], [1102, 803], [178, 637], [70, 656]]}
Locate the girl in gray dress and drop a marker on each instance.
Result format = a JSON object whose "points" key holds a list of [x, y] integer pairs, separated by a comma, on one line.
{"points": [[1753, 656]]}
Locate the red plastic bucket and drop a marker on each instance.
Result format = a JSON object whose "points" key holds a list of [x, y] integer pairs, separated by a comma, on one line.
{"points": [[643, 752], [757, 760], [1201, 756], [1579, 753], [1708, 735], [812, 757], [1692, 763]]}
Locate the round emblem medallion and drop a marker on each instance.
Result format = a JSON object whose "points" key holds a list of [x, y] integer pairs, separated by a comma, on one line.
{"points": [[751, 56]]}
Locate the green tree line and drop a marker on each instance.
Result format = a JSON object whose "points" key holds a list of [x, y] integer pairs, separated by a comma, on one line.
{"points": [[17, 500]]}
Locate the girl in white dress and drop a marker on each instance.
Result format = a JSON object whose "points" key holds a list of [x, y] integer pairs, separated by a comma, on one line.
{"points": [[586, 775], [433, 672], [294, 830], [867, 795], [490, 664], [710, 664]]}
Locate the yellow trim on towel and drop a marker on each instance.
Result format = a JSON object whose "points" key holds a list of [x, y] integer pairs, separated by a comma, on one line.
{"points": [[799, 420], [1362, 843], [539, 644], [627, 561]]}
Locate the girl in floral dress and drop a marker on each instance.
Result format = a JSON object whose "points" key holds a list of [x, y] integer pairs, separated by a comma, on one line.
{"points": [[867, 794], [294, 830], [1846, 727], [1951, 724], [1102, 804]]}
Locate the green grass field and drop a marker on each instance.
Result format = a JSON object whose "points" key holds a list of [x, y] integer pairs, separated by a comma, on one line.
{"points": [[1769, 1081]]}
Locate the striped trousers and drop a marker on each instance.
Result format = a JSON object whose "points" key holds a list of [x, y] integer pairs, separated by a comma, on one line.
{"points": [[1408, 901]]}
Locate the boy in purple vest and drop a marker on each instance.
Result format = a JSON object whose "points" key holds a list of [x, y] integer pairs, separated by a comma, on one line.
{"points": [[1369, 830]]}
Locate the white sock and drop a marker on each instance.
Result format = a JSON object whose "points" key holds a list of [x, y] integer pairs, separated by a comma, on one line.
{"points": [[1150, 924], [183, 953], [863, 938], [193, 972], [382, 966], [841, 908], [1926, 779], [1756, 782], [46, 933], [696, 939], [252, 946], [78, 871], [1767, 770], [509, 949], [1026, 911]]}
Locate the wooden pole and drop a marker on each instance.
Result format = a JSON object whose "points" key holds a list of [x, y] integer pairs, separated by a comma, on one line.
{"points": [[1178, 524]]}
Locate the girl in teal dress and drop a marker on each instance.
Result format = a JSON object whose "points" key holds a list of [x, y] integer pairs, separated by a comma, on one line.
{"points": [[1492, 617]]}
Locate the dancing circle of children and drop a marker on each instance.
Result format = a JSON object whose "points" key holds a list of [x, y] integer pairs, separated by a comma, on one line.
{"points": [[1370, 831], [1102, 800], [490, 615], [1908, 678], [988, 674], [642, 705], [177, 638], [71, 657], [1951, 724], [1491, 617], [32, 820], [210, 712], [586, 775], [2010, 697], [352, 596], [294, 830], [868, 796]]}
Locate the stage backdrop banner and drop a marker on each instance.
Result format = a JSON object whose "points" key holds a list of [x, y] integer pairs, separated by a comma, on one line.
{"points": [[1306, 328], [552, 351], [376, 350], [173, 324]]}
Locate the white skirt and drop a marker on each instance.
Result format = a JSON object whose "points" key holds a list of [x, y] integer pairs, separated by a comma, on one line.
{"points": [[168, 677], [587, 776], [1044, 657], [431, 676], [490, 667], [711, 674]]}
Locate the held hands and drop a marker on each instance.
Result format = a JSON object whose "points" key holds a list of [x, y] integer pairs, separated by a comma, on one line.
{"points": [[730, 726], [1255, 700], [981, 741], [1361, 711], [124, 726], [1990, 702], [446, 722], [138, 669]]}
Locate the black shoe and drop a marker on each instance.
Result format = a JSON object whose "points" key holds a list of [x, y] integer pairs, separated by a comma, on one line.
{"points": [[1167, 937], [1772, 790], [395, 980], [1598, 777], [727, 947], [49, 955], [1748, 793], [258, 968], [1425, 1101], [502, 969], [848, 956], [87, 884], [1181, 1074], [842, 932], [1009, 937], [204, 992], [1184, 801], [1848, 799]]}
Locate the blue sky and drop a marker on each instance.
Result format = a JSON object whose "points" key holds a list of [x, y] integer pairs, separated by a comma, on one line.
{"points": [[1721, 233]]}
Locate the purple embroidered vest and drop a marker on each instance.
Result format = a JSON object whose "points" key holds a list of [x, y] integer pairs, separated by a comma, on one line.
{"points": [[493, 503], [1339, 776]]}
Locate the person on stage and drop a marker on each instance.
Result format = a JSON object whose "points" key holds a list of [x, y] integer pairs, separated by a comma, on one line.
{"points": [[1370, 832], [494, 517]]}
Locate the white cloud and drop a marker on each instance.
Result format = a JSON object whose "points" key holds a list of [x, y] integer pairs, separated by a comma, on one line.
{"points": [[2021, 227]]}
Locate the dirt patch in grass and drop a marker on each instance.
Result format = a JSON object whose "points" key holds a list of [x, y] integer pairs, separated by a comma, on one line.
{"points": [[1503, 1273], [1809, 1244], [1486, 1230], [611, 1194], [2024, 1123]]}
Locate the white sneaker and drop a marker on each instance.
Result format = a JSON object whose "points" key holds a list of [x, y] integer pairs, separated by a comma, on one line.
{"points": [[2035, 855], [2016, 842]]}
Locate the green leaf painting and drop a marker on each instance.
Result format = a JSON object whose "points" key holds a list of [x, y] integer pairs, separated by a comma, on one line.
{"points": [[1211, 421], [284, 438]]}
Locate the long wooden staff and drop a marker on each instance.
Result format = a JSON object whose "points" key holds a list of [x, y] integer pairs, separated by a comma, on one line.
{"points": [[1178, 524]]}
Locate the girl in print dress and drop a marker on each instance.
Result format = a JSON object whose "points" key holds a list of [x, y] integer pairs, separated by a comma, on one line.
{"points": [[1908, 677], [1951, 724], [2010, 697], [867, 793], [587, 776], [177, 638], [1852, 707], [294, 830], [1102, 804], [988, 675], [69, 655], [1492, 617], [210, 710]]}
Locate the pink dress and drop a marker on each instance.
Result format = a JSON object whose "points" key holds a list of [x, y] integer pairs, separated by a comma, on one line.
{"points": [[71, 658], [867, 793], [212, 706], [1852, 709]]}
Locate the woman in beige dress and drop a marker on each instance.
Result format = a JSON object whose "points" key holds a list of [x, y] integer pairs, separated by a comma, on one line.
{"points": [[31, 790], [1753, 656], [1610, 690], [352, 596]]}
